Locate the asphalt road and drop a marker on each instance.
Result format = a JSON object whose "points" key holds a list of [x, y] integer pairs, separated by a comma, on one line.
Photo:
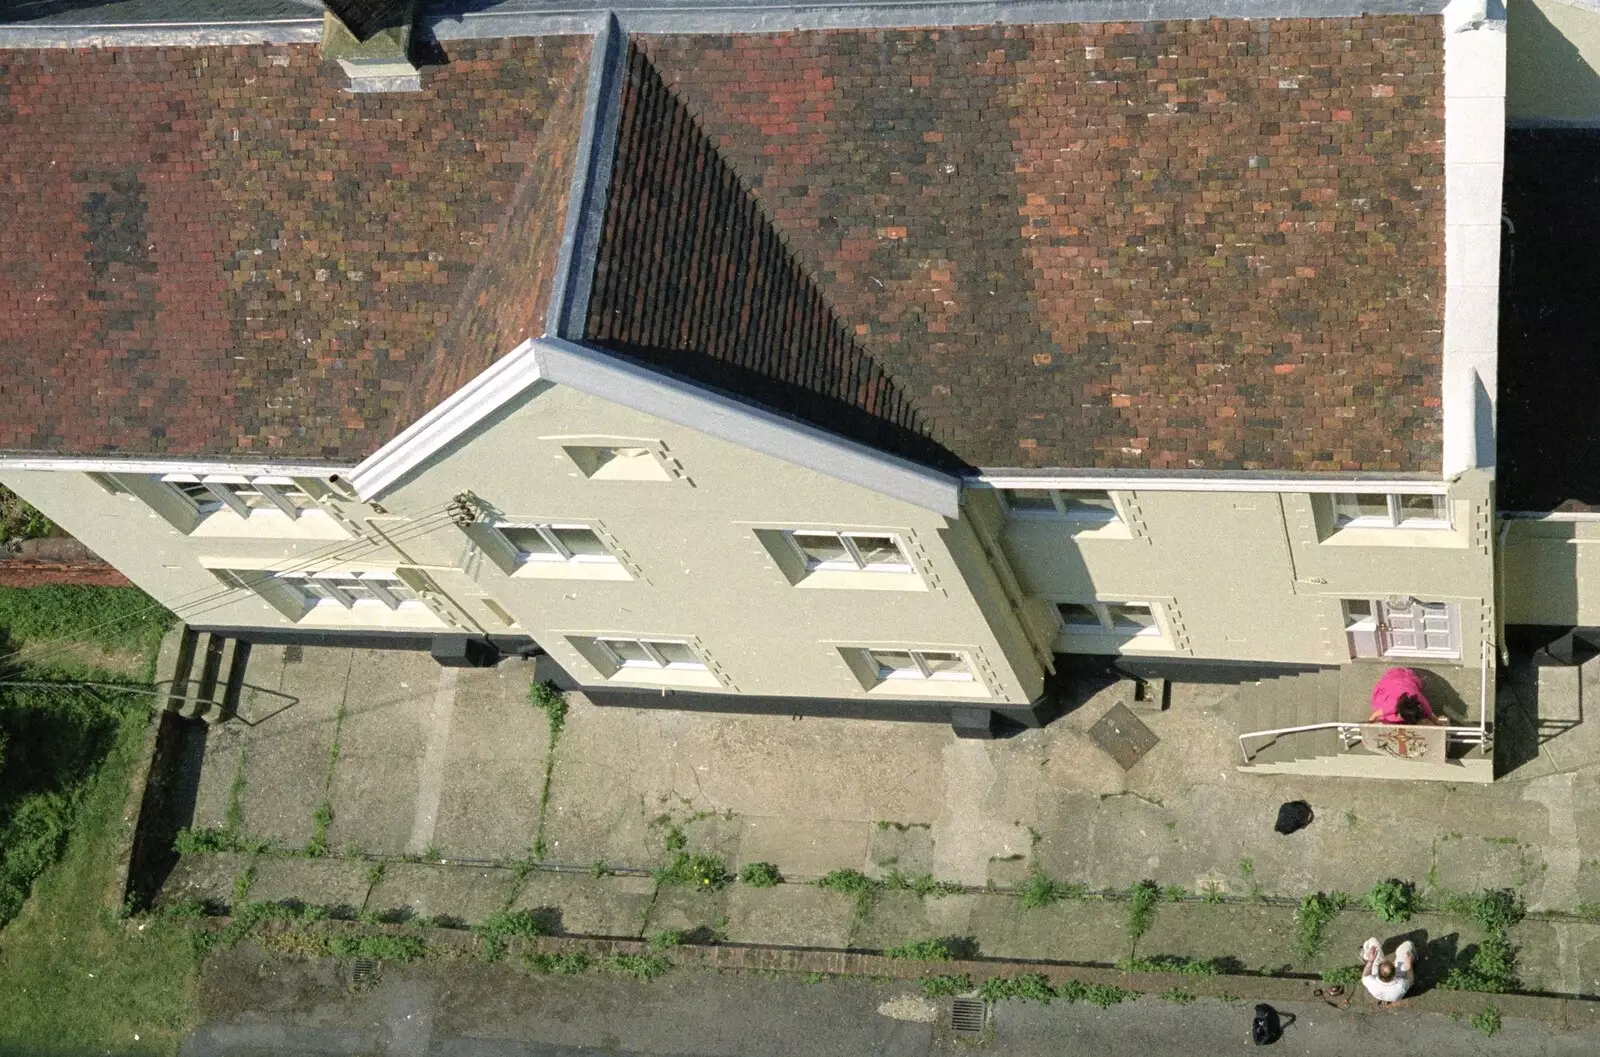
{"points": [[259, 1008]]}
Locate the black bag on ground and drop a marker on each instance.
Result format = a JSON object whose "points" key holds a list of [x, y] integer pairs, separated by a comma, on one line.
{"points": [[1265, 1028], [1293, 816]]}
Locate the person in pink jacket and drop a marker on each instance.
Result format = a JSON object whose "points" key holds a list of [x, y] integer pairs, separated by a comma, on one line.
{"points": [[1398, 698]]}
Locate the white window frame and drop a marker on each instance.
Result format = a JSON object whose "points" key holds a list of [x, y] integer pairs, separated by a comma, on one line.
{"points": [[1107, 626], [1082, 515], [547, 532], [602, 643], [854, 560], [279, 492], [379, 583], [1395, 518], [924, 672]]}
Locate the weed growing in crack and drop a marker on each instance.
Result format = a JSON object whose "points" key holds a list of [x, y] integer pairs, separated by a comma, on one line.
{"points": [[497, 930], [1311, 921], [1141, 913], [1393, 900], [1041, 891], [760, 875]]}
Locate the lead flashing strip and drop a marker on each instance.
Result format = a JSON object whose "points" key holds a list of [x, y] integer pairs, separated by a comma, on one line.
{"points": [[511, 20], [152, 35], [611, 378], [591, 183]]}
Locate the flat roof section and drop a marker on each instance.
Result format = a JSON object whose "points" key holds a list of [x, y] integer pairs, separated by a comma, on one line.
{"points": [[1549, 437]]}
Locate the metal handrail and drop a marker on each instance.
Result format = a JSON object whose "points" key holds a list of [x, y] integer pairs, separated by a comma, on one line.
{"points": [[1467, 735]]}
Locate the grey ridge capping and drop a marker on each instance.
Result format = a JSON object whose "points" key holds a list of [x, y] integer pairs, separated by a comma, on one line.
{"points": [[454, 20], [158, 23], [591, 183], [610, 378]]}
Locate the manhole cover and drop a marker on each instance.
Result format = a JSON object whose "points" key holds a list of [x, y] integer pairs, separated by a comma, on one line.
{"points": [[363, 972], [1122, 736], [967, 1015]]}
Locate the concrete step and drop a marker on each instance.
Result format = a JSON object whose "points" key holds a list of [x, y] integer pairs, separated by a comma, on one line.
{"points": [[207, 676], [1363, 765]]}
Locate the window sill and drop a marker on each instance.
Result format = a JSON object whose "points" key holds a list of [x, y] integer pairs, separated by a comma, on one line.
{"points": [[571, 571], [1092, 642], [663, 677], [370, 617], [1110, 530], [1359, 536], [971, 688], [861, 580], [270, 525]]}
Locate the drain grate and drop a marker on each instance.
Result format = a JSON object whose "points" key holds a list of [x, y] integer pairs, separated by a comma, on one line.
{"points": [[363, 971], [967, 1015]]}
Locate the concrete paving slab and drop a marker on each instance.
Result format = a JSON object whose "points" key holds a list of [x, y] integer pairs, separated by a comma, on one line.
{"points": [[328, 882], [617, 769], [493, 767], [286, 771], [804, 848], [204, 877], [1072, 930], [1470, 864], [383, 738], [892, 846], [689, 911], [222, 763], [463, 894], [611, 906], [789, 915], [901, 917]]}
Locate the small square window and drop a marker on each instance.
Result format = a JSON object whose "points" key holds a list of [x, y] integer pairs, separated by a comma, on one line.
{"points": [[1131, 616], [850, 551], [921, 665], [555, 543], [1109, 618], [1429, 508], [1093, 507], [1374, 510]]}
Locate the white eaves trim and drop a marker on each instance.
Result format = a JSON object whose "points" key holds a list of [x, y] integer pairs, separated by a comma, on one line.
{"points": [[1474, 169], [505, 380], [610, 378], [1322, 483], [119, 464]]}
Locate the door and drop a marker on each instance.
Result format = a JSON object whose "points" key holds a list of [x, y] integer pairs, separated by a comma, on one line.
{"points": [[1397, 627], [1414, 628]]}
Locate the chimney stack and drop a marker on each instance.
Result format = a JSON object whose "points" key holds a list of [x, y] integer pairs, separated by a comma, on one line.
{"points": [[371, 40]]}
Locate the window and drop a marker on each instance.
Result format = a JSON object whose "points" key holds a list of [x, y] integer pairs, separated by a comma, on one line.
{"points": [[922, 665], [652, 654], [349, 589], [556, 543], [849, 551], [245, 496], [1113, 618], [1051, 502], [619, 462], [1377, 510]]}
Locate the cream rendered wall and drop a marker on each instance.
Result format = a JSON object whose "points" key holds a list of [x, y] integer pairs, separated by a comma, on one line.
{"points": [[1552, 55], [1551, 572], [701, 571], [1254, 575], [172, 566]]}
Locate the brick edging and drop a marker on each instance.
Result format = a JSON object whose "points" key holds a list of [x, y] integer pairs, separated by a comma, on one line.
{"points": [[29, 572]]}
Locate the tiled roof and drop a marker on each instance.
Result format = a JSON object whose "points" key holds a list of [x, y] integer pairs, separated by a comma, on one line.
{"points": [[1163, 245], [214, 251]]}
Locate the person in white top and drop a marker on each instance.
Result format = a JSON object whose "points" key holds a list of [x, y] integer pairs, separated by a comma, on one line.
{"points": [[1388, 979]]}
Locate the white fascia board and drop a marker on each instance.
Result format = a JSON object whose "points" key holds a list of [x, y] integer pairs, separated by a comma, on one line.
{"points": [[1474, 167], [505, 380], [1114, 482], [124, 464], [611, 378]]}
